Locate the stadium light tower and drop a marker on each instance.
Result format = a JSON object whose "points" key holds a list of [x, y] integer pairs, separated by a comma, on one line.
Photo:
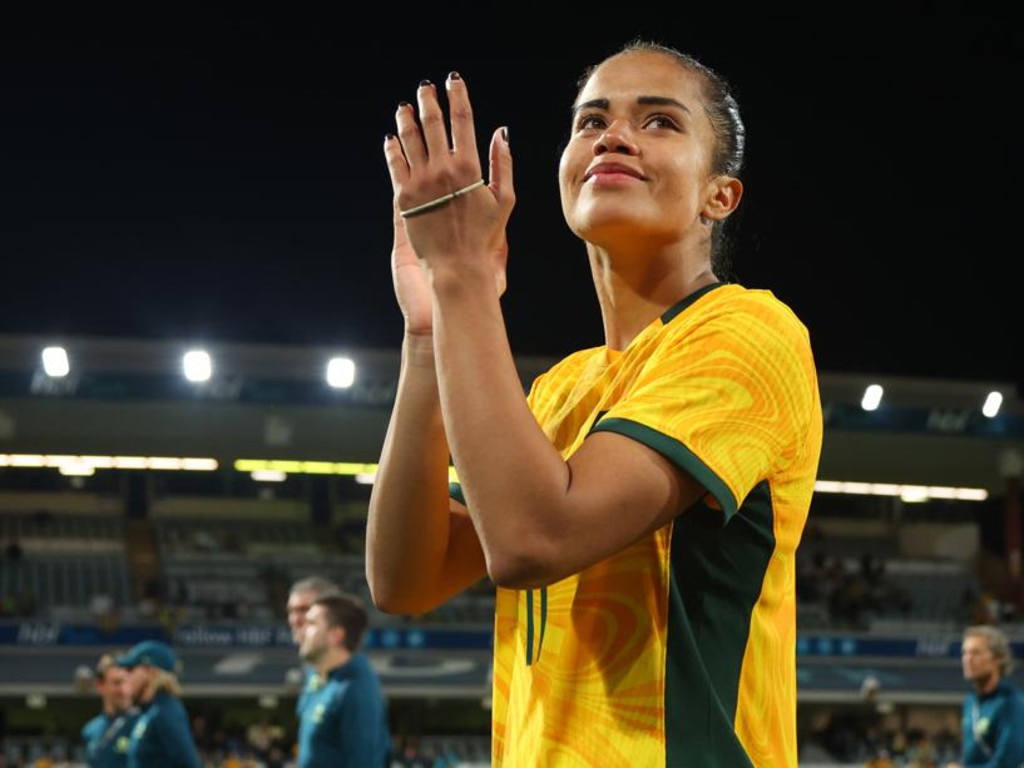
{"points": [[55, 362], [341, 372], [993, 403], [197, 365], [872, 397]]}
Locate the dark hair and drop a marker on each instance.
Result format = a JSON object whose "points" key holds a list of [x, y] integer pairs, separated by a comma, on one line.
{"points": [[348, 612], [723, 112]]}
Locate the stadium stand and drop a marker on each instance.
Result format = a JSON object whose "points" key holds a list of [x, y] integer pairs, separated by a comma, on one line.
{"points": [[204, 559]]}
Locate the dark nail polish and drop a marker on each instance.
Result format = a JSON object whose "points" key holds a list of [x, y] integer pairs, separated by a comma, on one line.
{"points": [[389, 137], [454, 76], [504, 133], [425, 83], [403, 104]]}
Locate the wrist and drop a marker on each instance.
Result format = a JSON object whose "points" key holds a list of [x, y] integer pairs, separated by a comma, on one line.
{"points": [[418, 348]]}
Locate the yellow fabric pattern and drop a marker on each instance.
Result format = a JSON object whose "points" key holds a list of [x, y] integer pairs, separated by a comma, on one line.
{"points": [[726, 387]]}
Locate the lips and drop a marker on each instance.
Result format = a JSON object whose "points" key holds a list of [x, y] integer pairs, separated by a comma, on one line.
{"points": [[612, 169]]}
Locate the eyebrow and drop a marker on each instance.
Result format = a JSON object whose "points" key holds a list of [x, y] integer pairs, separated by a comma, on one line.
{"points": [[657, 101]]}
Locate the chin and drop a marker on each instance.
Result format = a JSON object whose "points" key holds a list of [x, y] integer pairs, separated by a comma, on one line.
{"points": [[596, 218]]}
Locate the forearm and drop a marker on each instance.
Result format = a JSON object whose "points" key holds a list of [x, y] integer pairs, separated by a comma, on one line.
{"points": [[408, 526], [513, 478]]}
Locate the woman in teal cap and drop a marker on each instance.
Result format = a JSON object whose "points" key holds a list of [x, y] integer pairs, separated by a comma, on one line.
{"points": [[161, 736]]}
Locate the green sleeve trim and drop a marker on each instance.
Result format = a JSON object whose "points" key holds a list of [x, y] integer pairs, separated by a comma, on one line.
{"points": [[669, 314], [455, 491], [677, 453]]}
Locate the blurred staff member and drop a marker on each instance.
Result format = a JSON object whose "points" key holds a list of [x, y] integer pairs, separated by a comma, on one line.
{"points": [[161, 736], [301, 597], [106, 736], [344, 721], [992, 729]]}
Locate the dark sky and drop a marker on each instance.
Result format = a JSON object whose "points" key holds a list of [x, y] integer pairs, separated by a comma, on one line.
{"points": [[228, 182]]}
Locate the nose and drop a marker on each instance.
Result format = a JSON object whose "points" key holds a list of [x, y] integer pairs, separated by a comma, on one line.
{"points": [[618, 138]]}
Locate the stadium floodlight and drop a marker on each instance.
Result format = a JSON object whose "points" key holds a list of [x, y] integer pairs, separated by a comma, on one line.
{"points": [[341, 372], [55, 362], [268, 475], [907, 493], [197, 365], [872, 397], [993, 403]]}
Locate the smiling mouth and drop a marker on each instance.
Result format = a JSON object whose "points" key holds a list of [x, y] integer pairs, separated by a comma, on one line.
{"points": [[612, 172]]}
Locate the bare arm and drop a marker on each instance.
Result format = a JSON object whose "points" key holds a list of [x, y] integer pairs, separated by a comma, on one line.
{"points": [[421, 548], [539, 518]]}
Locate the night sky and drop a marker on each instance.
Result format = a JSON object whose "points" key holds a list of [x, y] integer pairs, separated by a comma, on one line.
{"points": [[227, 182]]}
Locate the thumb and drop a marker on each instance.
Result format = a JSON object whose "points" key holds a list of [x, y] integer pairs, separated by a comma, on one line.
{"points": [[500, 158]]}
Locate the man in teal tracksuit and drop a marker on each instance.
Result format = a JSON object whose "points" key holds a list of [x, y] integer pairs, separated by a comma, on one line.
{"points": [[992, 733], [344, 719], [106, 736]]}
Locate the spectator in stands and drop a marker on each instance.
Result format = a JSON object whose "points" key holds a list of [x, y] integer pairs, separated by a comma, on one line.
{"points": [[14, 551], [880, 759], [105, 738], [992, 722], [161, 736], [639, 509], [301, 597], [345, 719]]}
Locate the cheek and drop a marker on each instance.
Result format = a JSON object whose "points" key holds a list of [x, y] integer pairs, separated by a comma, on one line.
{"points": [[572, 164], [568, 185]]}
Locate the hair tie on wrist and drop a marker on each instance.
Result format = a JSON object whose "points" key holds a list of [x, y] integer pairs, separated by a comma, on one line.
{"points": [[443, 200]]}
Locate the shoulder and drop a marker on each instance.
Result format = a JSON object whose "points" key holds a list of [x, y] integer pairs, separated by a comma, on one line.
{"points": [[574, 361], [569, 368], [168, 707], [356, 669], [93, 725], [735, 300]]}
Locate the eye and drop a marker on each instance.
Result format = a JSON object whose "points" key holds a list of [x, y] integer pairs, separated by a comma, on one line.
{"points": [[590, 121], [661, 121]]}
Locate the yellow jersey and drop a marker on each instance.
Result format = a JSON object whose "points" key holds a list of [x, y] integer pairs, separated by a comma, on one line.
{"points": [[680, 650]]}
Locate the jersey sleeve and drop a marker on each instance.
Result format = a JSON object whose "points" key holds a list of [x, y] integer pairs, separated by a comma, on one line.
{"points": [[728, 398]]}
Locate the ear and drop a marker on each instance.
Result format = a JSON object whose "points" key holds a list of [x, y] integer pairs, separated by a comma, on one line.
{"points": [[338, 635], [723, 198]]}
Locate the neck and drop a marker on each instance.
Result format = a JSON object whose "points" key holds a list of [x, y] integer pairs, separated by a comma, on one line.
{"points": [[986, 684], [628, 306], [331, 660]]}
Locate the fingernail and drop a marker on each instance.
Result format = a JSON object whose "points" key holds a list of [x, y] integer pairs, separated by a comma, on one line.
{"points": [[389, 137], [403, 104], [454, 76], [425, 83], [504, 133]]}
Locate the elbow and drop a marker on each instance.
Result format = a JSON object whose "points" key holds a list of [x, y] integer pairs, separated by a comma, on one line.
{"points": [[522, 567], [392, 601], [395, 596], [382, 600], [384, 594]]}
